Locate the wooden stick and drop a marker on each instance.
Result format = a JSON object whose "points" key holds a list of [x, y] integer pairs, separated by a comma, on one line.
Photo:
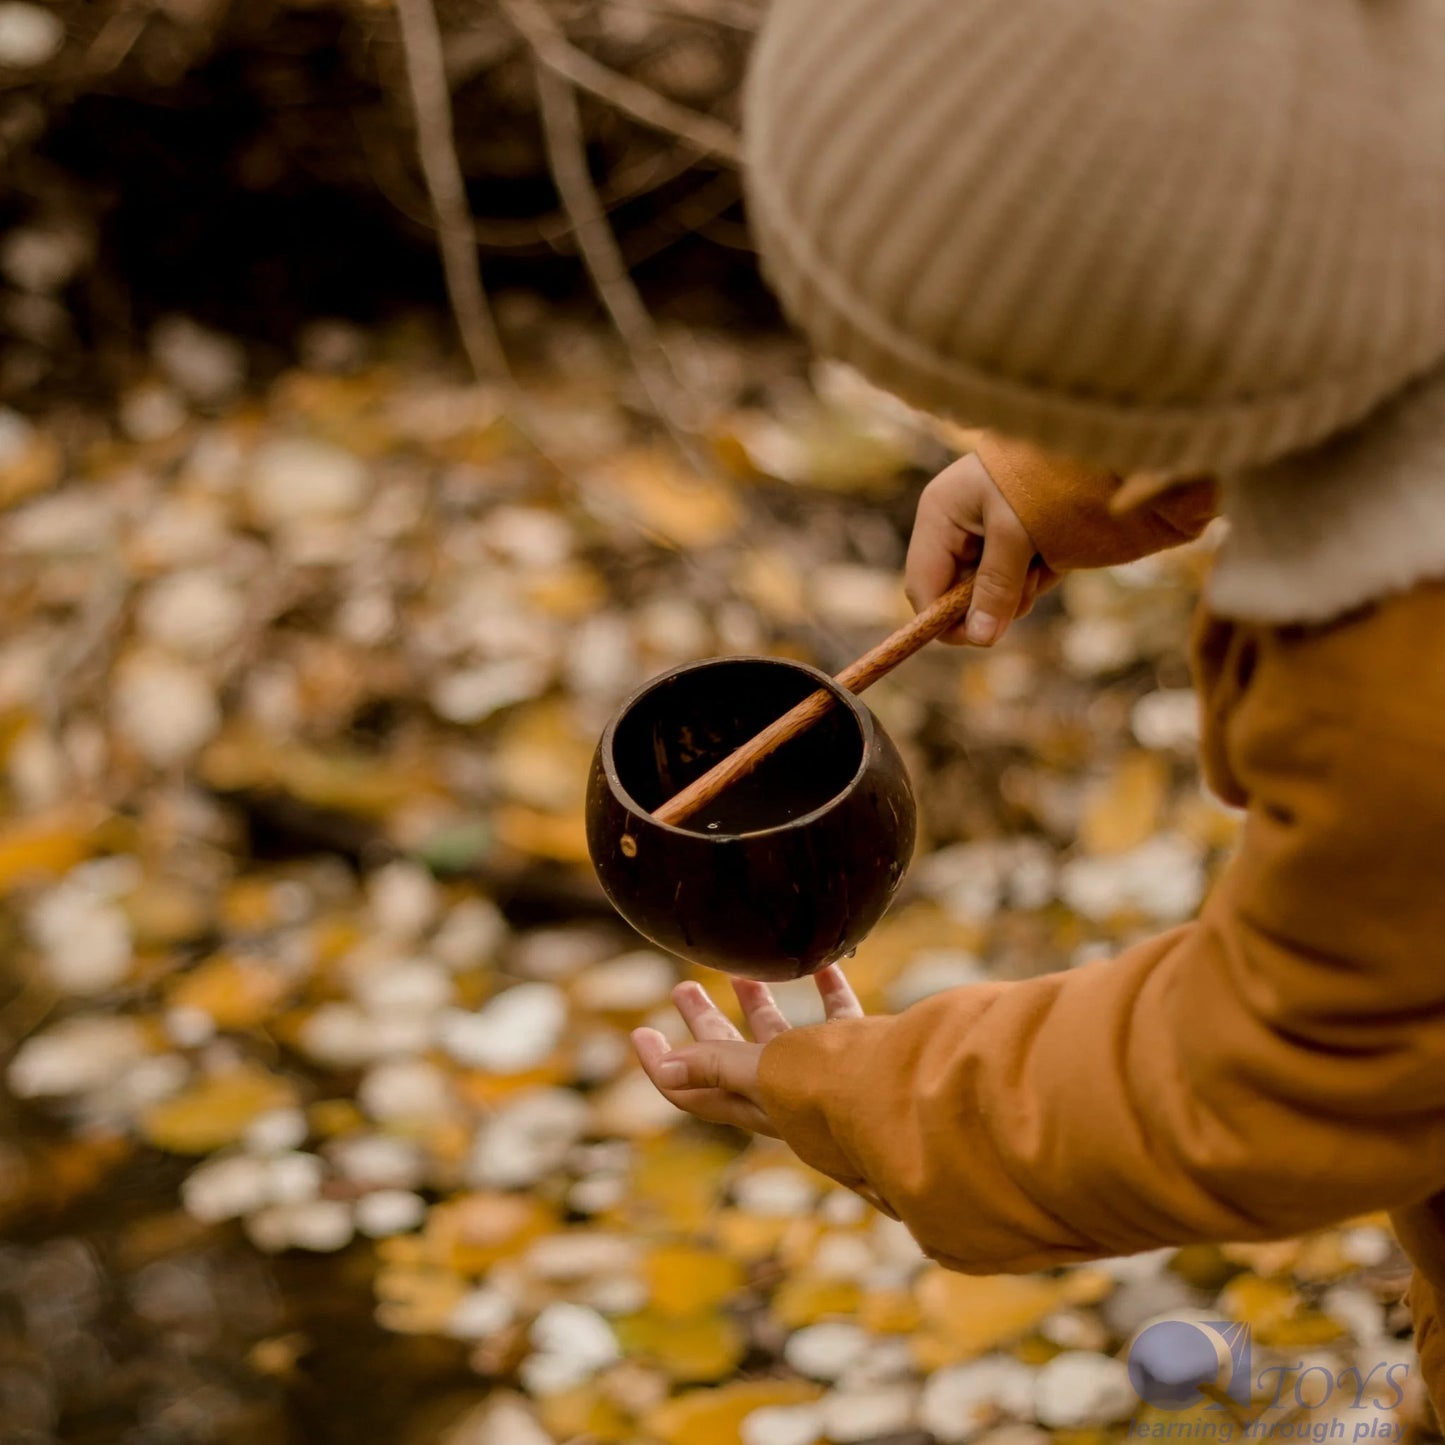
{"points": [[934, 620]]}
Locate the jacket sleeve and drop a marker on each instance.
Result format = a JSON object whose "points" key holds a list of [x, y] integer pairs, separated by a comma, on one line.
{"points": [[1081, 516], [1274, 1066], [1421, 1230]]}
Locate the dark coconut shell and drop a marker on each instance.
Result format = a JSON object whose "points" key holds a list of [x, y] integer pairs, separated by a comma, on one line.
{"points": [[789, 869]]}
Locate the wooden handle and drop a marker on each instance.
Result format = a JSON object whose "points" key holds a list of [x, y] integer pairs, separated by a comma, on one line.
{"points": [[934, 620]]}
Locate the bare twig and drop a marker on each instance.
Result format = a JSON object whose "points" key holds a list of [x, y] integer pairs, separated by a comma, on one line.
{"points": [[471, 52], [604, 260], [691, 214], [731, 234], [431, 102], [735, 14], [114, 41], [24, 1011], [90, 642], [558, 55], [624, 185], [532, 235]]}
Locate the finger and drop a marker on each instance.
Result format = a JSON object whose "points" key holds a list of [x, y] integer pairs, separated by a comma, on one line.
{"points": [[1031, 592], [1042, 580], [1002, 572], [957, 636], [651, 1045], [760, 1009], [718, 1106], [703, 1017], [731, 1065], [946, 532], [932, 564], [839, 1000], [937, 558]]}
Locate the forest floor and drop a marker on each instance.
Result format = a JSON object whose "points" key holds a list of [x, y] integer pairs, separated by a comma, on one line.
{"points": [[319, 1120]]}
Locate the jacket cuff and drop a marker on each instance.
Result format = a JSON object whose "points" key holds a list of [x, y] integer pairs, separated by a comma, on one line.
{"points": [[1063, 505], [788, 1071], [1080, 516], [1421, 1232]]}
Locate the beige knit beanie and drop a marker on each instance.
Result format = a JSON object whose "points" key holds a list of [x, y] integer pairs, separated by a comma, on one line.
{"points": [[1154, 234]]}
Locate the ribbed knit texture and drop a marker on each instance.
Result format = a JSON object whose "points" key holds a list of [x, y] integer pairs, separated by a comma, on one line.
{"points": [[1153, 234]]}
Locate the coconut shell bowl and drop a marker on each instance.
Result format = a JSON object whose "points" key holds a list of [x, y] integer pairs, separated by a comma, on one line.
{"points": [[787, 869]]}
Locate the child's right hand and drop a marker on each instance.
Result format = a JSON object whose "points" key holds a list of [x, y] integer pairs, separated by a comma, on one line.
{"points": [[963, 519]]}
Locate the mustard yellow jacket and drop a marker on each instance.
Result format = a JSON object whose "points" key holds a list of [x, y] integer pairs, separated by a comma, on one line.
{"points": [[1274, 1066]]}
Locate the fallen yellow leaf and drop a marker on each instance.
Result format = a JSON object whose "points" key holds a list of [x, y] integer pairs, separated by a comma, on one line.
{"points": [[470, 1234], [543, 756], [686, 1279], [416, 1301], [163, 913], [889, 949], [702, 1347], [234, 993], [331, 1118], [676, 1182], [1276, 1313], [249, 905], [46, 845], [348, 410], [35, 469], [804, 1299], [749, 1237], [676, 506], [333, 937], [1084, 1437], [1274, 1256], [889, 1312], [586, 1413], [1323, 1257], [475, 1086], [570, 592], [1087, 1286], [1125, 810], [1206, 821], [340, 779], [215, 1112], [544, 835], [771, 581], [715, 1417], [965, 1316], [1203, 1266]]}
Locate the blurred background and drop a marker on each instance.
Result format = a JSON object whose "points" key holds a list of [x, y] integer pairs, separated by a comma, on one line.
{"points": [[387, 389]]}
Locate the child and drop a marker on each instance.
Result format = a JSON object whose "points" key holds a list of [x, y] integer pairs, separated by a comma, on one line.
{"points": [[1174, 239]]}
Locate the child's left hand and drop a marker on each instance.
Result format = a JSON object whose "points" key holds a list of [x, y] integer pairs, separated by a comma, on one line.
{"points": [[717, 1077]]}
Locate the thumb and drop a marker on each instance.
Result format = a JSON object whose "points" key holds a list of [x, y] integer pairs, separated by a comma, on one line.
{"points": [[729, 1064], [1003, 571]]}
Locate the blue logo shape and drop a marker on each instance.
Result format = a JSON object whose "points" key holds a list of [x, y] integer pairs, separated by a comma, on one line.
{"points": [[1179, 1364]]}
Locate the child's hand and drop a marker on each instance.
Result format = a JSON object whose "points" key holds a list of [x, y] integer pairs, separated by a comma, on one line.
{"points": [[964, 519], [717, 1078]]}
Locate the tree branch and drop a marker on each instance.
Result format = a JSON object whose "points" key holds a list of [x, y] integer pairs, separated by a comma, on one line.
{"points": [[436, 148], [735, 14], [559, 55], [567, 155]]}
